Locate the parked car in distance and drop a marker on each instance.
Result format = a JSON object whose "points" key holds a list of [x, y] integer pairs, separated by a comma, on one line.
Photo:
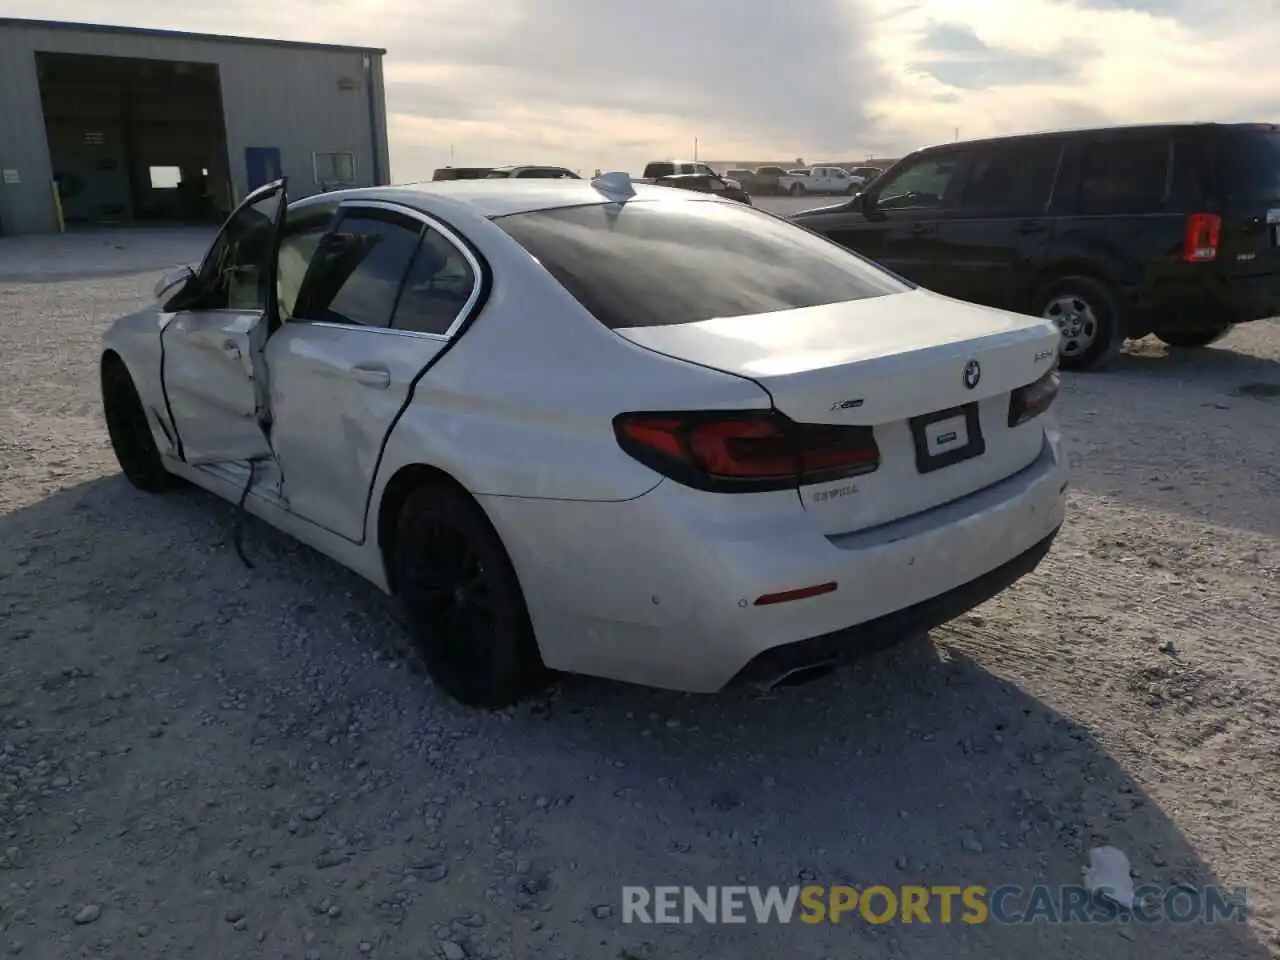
{"points": [[766, 179], [532, 172], [666, 168], [819, 180], [656, 169], [598, 426], [747, 178], [460, 173], [702, 183], [1110, 233]]}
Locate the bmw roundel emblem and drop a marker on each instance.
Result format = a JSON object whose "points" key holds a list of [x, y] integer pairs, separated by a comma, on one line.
{"points": [[972, 374]]}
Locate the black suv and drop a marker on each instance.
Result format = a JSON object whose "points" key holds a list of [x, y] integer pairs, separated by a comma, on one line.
{"points": [[1111, 234]]}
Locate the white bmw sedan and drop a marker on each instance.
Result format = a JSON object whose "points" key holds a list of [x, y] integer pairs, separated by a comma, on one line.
{"points": [[598, 427]]}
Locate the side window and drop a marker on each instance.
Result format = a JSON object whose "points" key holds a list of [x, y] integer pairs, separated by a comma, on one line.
{"points": [[236, 273], [356, 273], [439, 283], [298, 245], [922, 186], [1016, 179], [1123, 176]]}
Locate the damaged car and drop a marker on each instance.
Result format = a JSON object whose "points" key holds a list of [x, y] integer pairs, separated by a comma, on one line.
{"points": [[598, 426]]}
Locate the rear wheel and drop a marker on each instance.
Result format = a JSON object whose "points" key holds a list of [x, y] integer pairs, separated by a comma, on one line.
{"points": [[131, 437], [1194, 338], [1087, 315], [466, 612], [796, 190]]}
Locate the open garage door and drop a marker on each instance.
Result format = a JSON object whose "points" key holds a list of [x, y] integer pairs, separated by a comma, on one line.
{"points": [[134, 140]]}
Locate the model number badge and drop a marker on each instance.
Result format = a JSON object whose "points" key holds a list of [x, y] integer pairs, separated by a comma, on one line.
{"points": [[844, 491], [846, 404]]}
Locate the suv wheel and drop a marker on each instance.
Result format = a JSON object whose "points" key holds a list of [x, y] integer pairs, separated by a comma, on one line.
{"points": [[796, 190], [1194, 338], [1088, 317]]}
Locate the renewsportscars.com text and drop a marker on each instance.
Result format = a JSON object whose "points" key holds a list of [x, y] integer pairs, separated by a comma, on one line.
{"points": [[971, 904]]}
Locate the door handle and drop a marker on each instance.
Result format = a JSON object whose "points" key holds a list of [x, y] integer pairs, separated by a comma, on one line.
{"points": [[1032, 226], [231, 349], [372, 375], [918, 229]]}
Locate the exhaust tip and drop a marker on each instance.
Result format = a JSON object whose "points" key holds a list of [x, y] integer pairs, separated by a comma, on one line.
{"points": [[797, 676]]}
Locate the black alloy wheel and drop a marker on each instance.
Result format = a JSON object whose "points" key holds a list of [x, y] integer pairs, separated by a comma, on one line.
{"points": [[465, 608]]}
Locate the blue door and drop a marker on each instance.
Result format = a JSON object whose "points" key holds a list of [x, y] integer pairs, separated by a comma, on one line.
{"points": [[262, 164]]}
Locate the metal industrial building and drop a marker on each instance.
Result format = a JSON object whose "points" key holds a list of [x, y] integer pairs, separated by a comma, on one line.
{"points": [[105, 124]]}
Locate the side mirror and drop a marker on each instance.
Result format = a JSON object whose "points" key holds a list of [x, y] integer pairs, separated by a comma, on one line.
{"points": [[177, 289]]}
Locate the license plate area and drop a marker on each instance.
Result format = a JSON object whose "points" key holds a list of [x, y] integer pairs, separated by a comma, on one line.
{"points": [[947, 437]]}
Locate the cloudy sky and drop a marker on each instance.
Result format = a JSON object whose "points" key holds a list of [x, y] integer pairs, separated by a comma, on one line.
{"points": [[605, 83]]}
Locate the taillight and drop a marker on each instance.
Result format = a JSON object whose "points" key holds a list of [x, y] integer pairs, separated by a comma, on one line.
{"points": [[1200, 243], [746, 451], [1034, 399]]}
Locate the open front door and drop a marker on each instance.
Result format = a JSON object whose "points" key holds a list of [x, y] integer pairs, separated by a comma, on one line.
{"points": [[212, 349]]}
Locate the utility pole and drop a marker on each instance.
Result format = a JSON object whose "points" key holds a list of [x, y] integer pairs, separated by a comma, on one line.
{"points": [[957, 133], [451, 154], [695, 149]]}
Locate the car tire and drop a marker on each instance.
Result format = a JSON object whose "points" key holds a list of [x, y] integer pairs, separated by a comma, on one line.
{"points": [[1194, 338], [459, 591], [1089, 316], [796, 190], [131, 438]]}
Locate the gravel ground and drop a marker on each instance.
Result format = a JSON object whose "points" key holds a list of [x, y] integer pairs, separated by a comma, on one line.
{"points": [[199, 760]]}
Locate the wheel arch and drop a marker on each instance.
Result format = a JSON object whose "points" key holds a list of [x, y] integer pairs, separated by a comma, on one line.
{"points": [[1065, 268], [408, 478]]}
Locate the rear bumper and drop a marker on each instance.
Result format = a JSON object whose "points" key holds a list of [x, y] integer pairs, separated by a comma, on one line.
{"points": [[661, 590], [843, 645]]}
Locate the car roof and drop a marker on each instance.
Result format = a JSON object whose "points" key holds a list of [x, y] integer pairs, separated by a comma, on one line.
{"points": [[530, 166], [1082, 131], [498, 198]]}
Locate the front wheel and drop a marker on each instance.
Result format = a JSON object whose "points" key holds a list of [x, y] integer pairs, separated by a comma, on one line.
{"points": [[1087, 315], [1194, 338], [131, 438], [796, 190], [466, 612]]}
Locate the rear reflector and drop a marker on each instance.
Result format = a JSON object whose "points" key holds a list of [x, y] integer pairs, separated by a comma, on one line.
{"points": [[1200, 243], [745, 451], [786, 596], [1034, 399]]}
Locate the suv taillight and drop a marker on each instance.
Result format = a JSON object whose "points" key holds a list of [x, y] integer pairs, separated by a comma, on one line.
{"points": [[1200, 243], [747, 451], [1034, 399]]}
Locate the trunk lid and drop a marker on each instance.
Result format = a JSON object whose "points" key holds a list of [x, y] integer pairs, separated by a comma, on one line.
{"points": [[892, 363]]}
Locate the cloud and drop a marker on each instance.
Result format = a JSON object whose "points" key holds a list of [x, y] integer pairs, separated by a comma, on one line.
{"points": [[956, 56]]}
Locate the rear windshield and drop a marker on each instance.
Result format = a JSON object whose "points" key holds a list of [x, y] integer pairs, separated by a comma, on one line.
{"points": [[1249, 165], [654, 263]]}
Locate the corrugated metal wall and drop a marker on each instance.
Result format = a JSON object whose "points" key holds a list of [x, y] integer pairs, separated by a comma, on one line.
{"points": [[272, 96]]}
